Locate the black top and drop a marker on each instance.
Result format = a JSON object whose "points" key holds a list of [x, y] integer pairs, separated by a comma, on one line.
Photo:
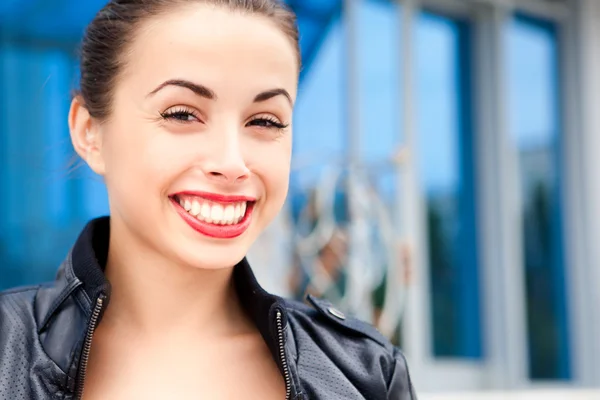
{"points": [[46, 332]]}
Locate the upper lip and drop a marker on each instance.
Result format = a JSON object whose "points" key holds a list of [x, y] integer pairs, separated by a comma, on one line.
{"points": [[216, 197]]}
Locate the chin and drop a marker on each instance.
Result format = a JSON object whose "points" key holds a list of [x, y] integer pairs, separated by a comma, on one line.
{"points": [[200, 243], [203, 245], [208, 253]]}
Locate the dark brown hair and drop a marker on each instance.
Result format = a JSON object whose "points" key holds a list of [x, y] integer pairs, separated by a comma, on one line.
{"points": [[114, 27]]}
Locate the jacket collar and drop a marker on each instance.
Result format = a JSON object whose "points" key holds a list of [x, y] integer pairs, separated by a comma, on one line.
{"points": [[84, 268]]}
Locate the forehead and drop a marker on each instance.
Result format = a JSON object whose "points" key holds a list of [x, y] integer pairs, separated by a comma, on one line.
{"points": [[215, 46]]}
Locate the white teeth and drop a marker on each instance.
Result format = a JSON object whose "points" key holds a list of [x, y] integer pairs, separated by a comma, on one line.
{"points": [[229, 214], [205, 212], [214, 213], [195, 208]]}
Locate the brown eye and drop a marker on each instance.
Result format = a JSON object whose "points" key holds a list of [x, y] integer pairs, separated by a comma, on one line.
{"points": [[267, 122], [180, 114]]}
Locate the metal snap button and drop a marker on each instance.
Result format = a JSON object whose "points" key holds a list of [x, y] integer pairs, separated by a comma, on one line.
{"points": [[336, 313]]}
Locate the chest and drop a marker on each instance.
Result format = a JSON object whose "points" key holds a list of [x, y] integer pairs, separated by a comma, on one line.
{"points": [[223, 370], [187, 388]]}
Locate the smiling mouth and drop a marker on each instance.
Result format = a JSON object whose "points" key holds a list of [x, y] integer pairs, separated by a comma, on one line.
{"points": [[215, 215], [213, 212]]}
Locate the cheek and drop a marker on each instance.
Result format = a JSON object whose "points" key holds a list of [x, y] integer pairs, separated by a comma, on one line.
{"points": [[139, 160]]}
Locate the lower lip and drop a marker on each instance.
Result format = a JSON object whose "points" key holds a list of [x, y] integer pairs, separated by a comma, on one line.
{"points": [[212, 230]]}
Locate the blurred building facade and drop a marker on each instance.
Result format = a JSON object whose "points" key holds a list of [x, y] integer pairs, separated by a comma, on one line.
{"points": [[443, 185]]}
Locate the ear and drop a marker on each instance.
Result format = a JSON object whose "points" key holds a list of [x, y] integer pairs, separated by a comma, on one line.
{"points": [[85, 136]]}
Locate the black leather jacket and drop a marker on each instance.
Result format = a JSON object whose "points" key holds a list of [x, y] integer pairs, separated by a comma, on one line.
{"points": [[46, 335]]}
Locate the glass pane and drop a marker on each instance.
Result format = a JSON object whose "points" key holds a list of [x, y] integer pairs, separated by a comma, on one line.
{"points": [[36, 223], [535, 131], [333, 266], [379, 69], [447, 179], [319, 146], [378, 41], [378, 38], [319, 134]]}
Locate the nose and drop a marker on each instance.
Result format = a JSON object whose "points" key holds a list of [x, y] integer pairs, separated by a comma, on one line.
{"points": [[226, 163]]}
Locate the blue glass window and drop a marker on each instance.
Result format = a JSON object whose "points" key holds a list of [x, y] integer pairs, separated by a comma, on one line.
{"points": [[535, 131], [447, 172], [44, 203], [36, 220], [378, 42], [319, 134], [319, 138]]}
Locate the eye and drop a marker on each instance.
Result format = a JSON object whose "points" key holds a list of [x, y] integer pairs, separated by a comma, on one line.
{"points": [[181, 114], [267, 121]]}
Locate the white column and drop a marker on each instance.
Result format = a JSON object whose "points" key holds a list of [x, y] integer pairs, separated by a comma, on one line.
{"points": [[354, 132], [352, 57], [417, 331], [581, 93], [499, 218]]}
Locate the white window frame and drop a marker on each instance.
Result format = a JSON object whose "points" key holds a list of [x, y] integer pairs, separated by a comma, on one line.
{"points": [[504, 365]]}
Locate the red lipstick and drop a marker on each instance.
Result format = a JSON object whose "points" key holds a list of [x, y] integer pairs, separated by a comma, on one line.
{"points": [[215, 230], [217, 198]]}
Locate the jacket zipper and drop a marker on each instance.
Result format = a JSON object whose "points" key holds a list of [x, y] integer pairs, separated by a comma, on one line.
{"points": [[282, 357], [87, 346]]}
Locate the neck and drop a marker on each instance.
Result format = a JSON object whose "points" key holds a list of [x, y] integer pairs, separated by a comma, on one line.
{"points": [[153, 295]]}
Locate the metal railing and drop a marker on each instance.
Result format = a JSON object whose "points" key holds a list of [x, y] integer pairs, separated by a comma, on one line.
{"points": [[355, 260]]}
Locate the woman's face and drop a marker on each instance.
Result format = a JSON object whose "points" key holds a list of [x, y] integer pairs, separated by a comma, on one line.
{"points": [[196, 153]]}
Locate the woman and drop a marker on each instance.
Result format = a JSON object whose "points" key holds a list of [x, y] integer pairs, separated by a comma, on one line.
{"points": [[185, 110]]}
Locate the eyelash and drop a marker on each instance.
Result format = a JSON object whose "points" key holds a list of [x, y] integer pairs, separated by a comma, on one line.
{"points": [[181, 115], [177, 113], [272, 123]]}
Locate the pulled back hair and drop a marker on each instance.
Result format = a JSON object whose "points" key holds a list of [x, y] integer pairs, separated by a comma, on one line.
{"points": [[108, 36]]}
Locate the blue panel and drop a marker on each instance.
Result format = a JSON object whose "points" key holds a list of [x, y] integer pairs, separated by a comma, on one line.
{"points": [[378, 41], [314, 29], [468, 257], [10, 7], [58, 151], [50, 20], [379, 66], [65, 21], [315, 7], [312, 33], [38, 223], [319, 133], [445, 145], [535, 130]]}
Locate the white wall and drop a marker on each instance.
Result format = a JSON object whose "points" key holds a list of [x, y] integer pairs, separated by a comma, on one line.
{"points": [[529, 395]]}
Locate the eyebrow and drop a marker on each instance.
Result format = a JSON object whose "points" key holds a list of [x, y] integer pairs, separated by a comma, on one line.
{"points": [[205, 92], [198, 89], [269, 94]]}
